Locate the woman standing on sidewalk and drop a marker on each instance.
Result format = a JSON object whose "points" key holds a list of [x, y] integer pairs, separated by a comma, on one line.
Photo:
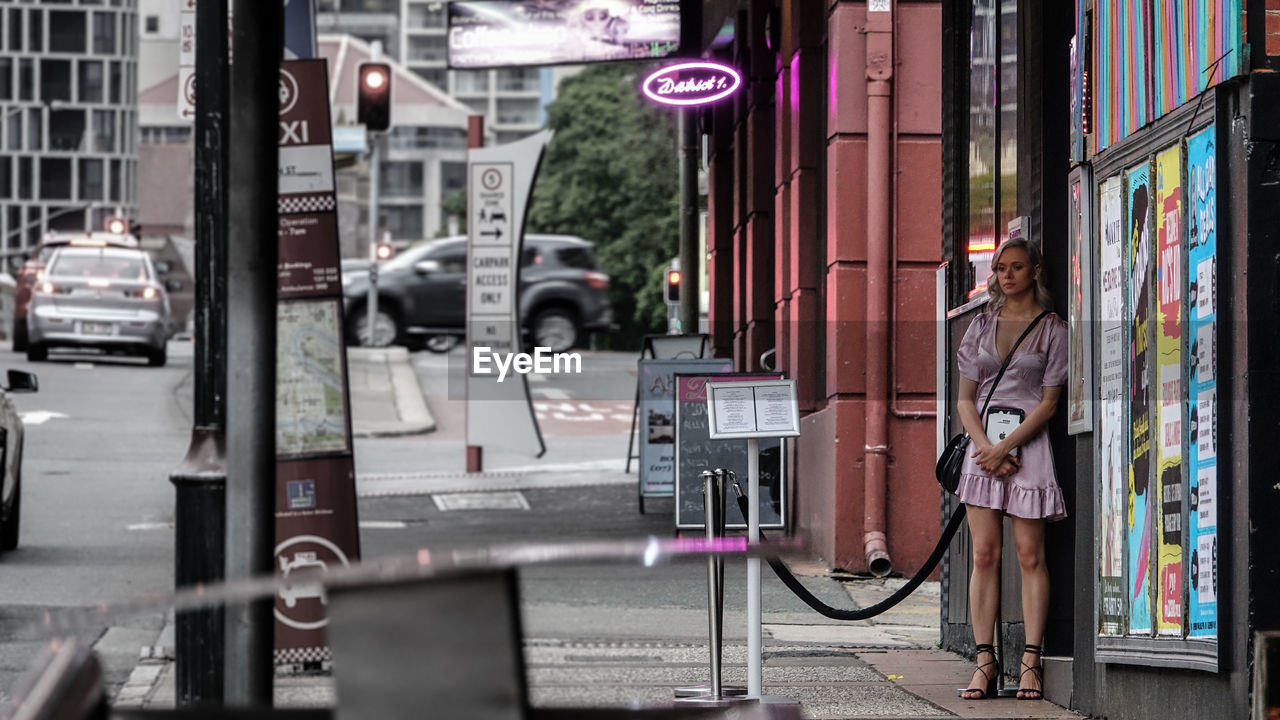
{"points": [[1015, 475]]}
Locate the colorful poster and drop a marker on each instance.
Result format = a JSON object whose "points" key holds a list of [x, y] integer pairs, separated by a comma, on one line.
{"points": [[1112, 447], [1080, 347], [1138, 228], [1168, 361], [1202, 360]]}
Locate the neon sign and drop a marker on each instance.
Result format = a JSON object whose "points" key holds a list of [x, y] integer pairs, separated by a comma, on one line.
{"points": [[691, 83]]}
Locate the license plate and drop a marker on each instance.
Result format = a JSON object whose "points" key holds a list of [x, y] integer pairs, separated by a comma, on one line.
{"points": [[94, 328]]}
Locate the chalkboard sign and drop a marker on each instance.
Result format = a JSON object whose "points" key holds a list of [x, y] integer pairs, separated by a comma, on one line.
{"points": [[656, 382], [696, 451]]}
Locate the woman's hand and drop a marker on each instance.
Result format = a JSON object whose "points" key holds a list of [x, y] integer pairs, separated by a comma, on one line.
{"points": [[991, 457], [1010, 466]]}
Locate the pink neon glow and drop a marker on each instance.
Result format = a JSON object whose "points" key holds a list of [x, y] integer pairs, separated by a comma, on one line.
{"points": [[683, 84]]}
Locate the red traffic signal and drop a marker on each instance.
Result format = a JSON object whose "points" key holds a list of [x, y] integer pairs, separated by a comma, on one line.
{"points": [[384, 251], [117, 225], [373, 95], [673, 287]]}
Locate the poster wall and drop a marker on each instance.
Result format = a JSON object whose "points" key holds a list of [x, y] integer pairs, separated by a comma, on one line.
{"points": [[1138, 228], [1113, 449], [1168, 498], [1202, 308]]}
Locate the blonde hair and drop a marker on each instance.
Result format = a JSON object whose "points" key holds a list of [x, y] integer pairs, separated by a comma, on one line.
{"points": [[996, 293]]}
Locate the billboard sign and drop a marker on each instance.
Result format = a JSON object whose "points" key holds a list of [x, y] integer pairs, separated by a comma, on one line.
{"points": [[504, 33]]}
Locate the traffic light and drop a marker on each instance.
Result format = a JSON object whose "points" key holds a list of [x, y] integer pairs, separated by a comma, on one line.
{"points": [[384, 251], [117, 225], [673, 287], [373, 96]]}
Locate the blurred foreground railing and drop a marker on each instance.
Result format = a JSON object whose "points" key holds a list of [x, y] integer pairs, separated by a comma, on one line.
{"points": [[434, 634]]}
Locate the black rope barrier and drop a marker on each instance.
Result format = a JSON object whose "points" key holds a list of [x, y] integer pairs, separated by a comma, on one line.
{"points": [[788, 579]]}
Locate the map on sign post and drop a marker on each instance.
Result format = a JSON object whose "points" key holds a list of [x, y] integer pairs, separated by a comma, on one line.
{"points": [[310, 404]]}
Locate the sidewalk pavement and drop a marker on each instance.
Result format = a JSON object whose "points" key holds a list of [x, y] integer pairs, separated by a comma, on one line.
{"points": [[386, 399], [888, 666]]}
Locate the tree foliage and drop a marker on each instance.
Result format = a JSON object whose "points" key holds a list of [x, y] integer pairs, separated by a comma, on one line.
{"points": [[610, 175]]}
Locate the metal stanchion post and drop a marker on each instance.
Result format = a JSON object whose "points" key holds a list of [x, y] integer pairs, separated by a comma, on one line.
{"points": [[713, 499]]}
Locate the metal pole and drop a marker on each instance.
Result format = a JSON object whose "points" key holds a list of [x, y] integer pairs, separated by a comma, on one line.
{"points": [[475, 140], [375, 162], [687, 129], [710, 480], [753, 569], [200, 482], [251, 340]]}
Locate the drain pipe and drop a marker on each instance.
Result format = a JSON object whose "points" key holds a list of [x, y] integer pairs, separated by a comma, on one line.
{"points": [[879, 240]]}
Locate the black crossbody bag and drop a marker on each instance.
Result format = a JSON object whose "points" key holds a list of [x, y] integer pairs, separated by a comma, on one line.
{"points": [[952, 458]]}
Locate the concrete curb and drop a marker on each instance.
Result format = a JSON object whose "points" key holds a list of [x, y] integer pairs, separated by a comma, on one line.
{"points": [[404, 394]]}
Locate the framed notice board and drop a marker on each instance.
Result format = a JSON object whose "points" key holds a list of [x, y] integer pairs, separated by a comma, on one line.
{"points": [[696, 451], [656, 395]]}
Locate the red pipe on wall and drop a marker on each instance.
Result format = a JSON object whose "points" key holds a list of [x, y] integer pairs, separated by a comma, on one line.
{"points": [[879, 249]]}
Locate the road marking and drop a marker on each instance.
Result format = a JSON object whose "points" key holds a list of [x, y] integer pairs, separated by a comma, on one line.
{"points": [[151, 526], [511, 500], [40, 417], [382, 524], [84, 365], [550, 393]]}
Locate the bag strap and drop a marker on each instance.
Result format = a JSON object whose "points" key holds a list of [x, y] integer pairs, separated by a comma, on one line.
{"points": [[1009, 357]]}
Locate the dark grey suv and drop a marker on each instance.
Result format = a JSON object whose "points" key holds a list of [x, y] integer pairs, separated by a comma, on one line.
{"points": [[422, 294]]}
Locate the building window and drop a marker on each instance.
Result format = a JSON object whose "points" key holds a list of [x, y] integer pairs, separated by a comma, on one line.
{"points": [[519, 112], [152, 24], [66, 31], [6, 78], [427, 15], [404, 222], [104, 131], [6, 182], [402, 179], [519, 80], [26, 79], [35, 30], [436, 76], [416, 138], [429, 48], [104, 33], [91, 179], [66, 128], [91, 81], [55, 178], [55, 80], [15, 29], [471, 81], [116, 80], [24, 178]]}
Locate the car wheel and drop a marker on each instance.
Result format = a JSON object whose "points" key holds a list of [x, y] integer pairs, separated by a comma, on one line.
{"points": [[441, 343], [37, 352], [13, 514], [554, 328], [157, 357], [20, 335], [386, 328]]}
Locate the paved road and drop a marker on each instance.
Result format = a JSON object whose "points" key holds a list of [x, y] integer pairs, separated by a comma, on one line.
{"points": [[102, 436]]}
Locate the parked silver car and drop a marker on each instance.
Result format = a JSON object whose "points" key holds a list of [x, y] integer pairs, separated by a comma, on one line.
{"points": [[106, 298]]}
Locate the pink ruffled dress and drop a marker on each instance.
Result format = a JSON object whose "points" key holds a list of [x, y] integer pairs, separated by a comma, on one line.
{"points": [[1040, 361]]}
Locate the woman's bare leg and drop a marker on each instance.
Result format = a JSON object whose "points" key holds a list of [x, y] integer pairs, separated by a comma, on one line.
{"points": [[985, 528], [1028, 535]]}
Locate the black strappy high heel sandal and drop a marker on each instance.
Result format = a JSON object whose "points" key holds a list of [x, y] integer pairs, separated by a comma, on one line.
{"points": [[992, 677], [1037, 671]]}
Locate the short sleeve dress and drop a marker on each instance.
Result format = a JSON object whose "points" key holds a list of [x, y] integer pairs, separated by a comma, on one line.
{"points": [[1040, 361]]}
